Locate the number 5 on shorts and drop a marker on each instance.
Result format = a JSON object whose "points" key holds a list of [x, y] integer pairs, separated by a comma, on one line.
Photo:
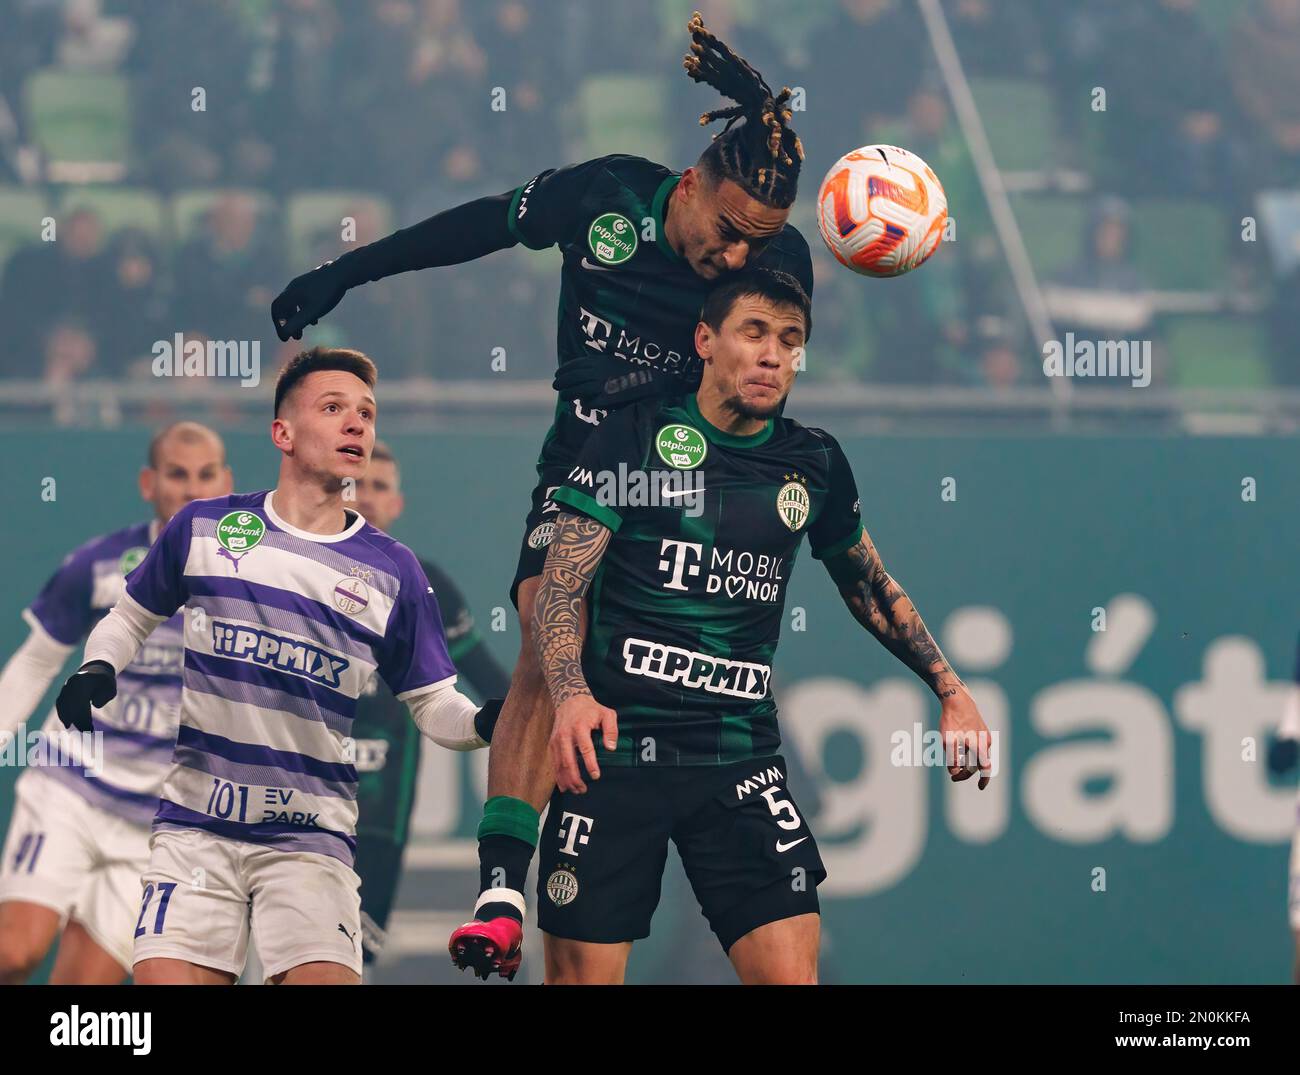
{"points": [[165, 894], [779, 806]]}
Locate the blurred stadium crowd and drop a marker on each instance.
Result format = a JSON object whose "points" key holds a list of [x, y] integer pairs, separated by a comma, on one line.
{"points": [[175, 220]]}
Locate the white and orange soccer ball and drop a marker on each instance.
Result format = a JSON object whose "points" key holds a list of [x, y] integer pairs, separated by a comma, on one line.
{"points": [[881, 210]]}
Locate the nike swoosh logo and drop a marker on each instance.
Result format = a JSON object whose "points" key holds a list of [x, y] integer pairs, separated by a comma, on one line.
{"points": [[668, 494], [793, 843], [598, 268]]}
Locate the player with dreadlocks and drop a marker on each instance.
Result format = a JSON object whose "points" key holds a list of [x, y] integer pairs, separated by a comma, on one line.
{"points": [[642, 245]]}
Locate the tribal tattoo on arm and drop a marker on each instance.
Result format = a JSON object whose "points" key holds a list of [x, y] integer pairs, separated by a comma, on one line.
{"points": [[558, 614], [883, 608]]}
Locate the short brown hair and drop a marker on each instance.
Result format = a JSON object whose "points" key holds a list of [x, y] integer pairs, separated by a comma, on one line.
{"points": [[322, 358]]}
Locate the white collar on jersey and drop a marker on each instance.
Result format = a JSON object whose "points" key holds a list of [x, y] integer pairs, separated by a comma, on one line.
{"points": [[306, 535]]}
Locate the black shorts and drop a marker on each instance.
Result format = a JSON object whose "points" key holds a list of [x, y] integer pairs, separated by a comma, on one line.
{"points": [[539, 528], [747, 850], [379, 865]]}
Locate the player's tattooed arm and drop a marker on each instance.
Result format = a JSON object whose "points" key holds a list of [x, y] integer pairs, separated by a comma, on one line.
{"points": [[883, 608], [558, 612]]}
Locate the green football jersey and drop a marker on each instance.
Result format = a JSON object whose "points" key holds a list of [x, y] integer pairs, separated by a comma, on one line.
{"points": [[686, 606], [624, 292]]}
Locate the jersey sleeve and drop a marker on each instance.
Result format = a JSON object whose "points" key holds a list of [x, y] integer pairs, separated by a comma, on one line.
{"points": [[158, 584], [62, 608], [413, 653], [549, 207], [590, 488], [457, 619], [839, 524]]}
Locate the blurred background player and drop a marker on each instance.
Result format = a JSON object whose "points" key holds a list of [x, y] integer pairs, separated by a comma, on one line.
{"points": [[1283, 754], [294, 602], [78, 841], [387, 743], [641, 246], [672, 668]]}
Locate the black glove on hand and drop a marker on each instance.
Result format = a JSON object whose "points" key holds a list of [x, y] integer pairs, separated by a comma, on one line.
{"points": [[485, 720], [1283, 755], [608, 383], [307, 299], [93, 684]]}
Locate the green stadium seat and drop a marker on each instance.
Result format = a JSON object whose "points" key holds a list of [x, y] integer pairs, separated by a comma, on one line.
{"points": [[21, 212], [81, 122], [1020, 122], [188, 209], [118, 208], [1217, 352], [1181, 244], [625, 111], [312, 213], [1052, 227]]}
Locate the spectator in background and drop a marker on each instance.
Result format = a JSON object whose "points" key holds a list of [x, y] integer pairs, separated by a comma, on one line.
{"points": [[1174, 134], [999, 38], [521, 42], [1103, 295], [68, 352], [178, 47], [44, 282], [877, 48], [225, 276], [1265, 69], [132, 315], [92, 41]]}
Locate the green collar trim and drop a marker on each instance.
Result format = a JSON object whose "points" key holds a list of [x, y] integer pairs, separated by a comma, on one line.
{"points": [[657, 208], [728, 440]]}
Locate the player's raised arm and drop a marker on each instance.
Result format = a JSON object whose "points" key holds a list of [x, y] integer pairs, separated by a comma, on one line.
{"points": [[535, 214], [882, 606], [559, 626]]}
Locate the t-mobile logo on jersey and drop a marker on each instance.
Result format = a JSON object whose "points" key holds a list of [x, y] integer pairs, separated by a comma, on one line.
{"points": [[746, 575], [571, 826], [679, 567]]}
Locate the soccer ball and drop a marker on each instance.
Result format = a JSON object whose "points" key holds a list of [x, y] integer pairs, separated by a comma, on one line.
{"points": [[881, 210]]}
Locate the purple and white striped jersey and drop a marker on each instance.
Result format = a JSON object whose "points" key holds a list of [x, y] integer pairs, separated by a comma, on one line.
{"points": [[282, 629], [139, 725]]}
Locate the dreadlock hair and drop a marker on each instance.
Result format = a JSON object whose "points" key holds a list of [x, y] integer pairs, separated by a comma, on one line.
{"points": [[756, 149]]}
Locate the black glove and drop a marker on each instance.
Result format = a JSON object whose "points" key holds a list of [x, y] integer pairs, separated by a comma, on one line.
{"points": [[94, 683], [607, 383], [307, 299], [485, 720], [1283, 755]]}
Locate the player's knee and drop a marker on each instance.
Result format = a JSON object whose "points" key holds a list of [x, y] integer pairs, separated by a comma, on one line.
{"points": [[20, 955]]}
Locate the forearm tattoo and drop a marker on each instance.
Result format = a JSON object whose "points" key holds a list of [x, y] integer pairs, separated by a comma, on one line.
{"points": [[558, 626], [883, 608]]}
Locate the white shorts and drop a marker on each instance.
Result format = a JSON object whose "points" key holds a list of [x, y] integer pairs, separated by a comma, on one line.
{"points": [[64, 853], [204, 893], [1295, 882]]}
